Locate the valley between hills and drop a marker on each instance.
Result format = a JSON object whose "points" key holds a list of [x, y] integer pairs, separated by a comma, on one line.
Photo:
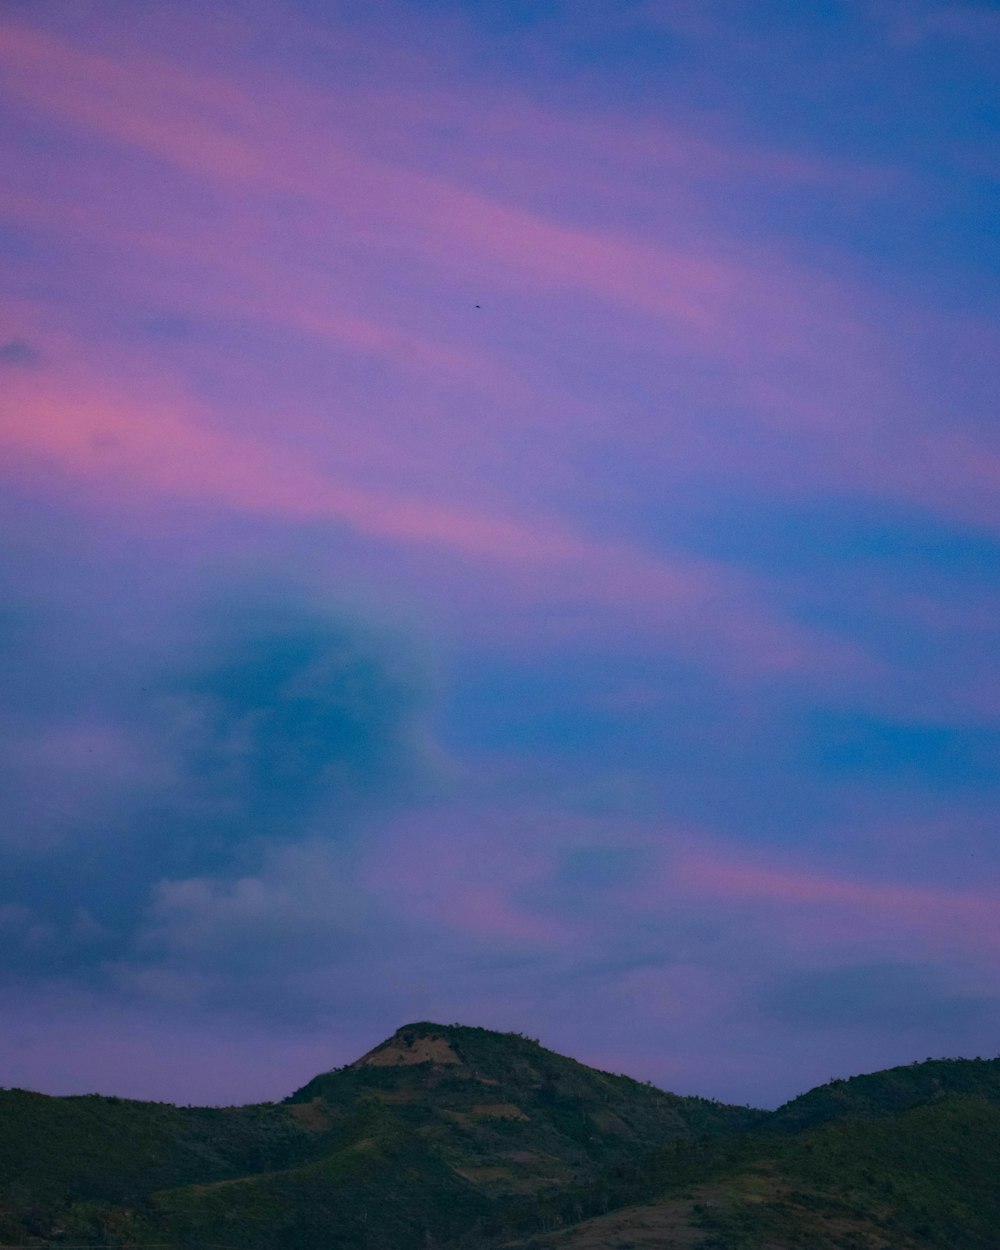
{"points": [[447, 1137]]}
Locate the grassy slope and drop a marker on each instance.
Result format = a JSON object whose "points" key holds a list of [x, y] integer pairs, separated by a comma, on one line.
{"points": [[384, 1191]]}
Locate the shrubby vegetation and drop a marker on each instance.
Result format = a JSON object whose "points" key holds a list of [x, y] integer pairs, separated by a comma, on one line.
{"points": [[508, 1140]]}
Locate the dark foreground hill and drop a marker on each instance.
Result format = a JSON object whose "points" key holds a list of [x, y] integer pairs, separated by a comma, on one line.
{"points": [[457, 1138]]}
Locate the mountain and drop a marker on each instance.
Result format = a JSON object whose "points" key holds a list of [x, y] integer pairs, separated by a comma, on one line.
{"points": [[454, 1137], [439, 1130]]}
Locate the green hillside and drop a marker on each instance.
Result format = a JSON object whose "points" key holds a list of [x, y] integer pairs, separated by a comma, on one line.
{"points": [[906, 1159], [891, 1091], [462, 1139], [63, 1161]]}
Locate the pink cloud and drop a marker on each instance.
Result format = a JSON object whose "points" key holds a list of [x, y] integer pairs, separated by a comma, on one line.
{"points": [[153, 442], [496, 875], [161, 110], [184, 119], [820, 401], [795, 351], [842, 909], [468, 872], [118, 444], [192, 120]]}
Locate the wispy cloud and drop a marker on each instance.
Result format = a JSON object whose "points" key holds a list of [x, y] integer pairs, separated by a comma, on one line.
{"points": [[795, 350]]}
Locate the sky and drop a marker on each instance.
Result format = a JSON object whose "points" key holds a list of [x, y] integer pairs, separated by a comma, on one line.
{"points": [[501, 511]]}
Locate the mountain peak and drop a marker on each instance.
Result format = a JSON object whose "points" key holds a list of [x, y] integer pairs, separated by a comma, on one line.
{"points": [[413, 1043], [442, 1045]]}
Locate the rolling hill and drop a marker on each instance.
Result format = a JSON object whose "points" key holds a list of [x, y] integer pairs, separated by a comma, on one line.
{"points": [[448, 1136]]}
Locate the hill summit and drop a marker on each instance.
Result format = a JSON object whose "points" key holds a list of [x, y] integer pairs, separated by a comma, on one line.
{"points": [[414, 1043], [508, 1115]]}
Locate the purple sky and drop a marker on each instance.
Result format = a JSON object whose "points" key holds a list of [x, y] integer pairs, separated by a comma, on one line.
{"points": [[501, 505]]}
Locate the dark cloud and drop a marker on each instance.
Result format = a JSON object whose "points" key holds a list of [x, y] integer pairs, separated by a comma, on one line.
{"points": [[602, 866], [889, 996], [288, 713], [146, 816], [276, 945], [18, 352], [859, 743]]}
